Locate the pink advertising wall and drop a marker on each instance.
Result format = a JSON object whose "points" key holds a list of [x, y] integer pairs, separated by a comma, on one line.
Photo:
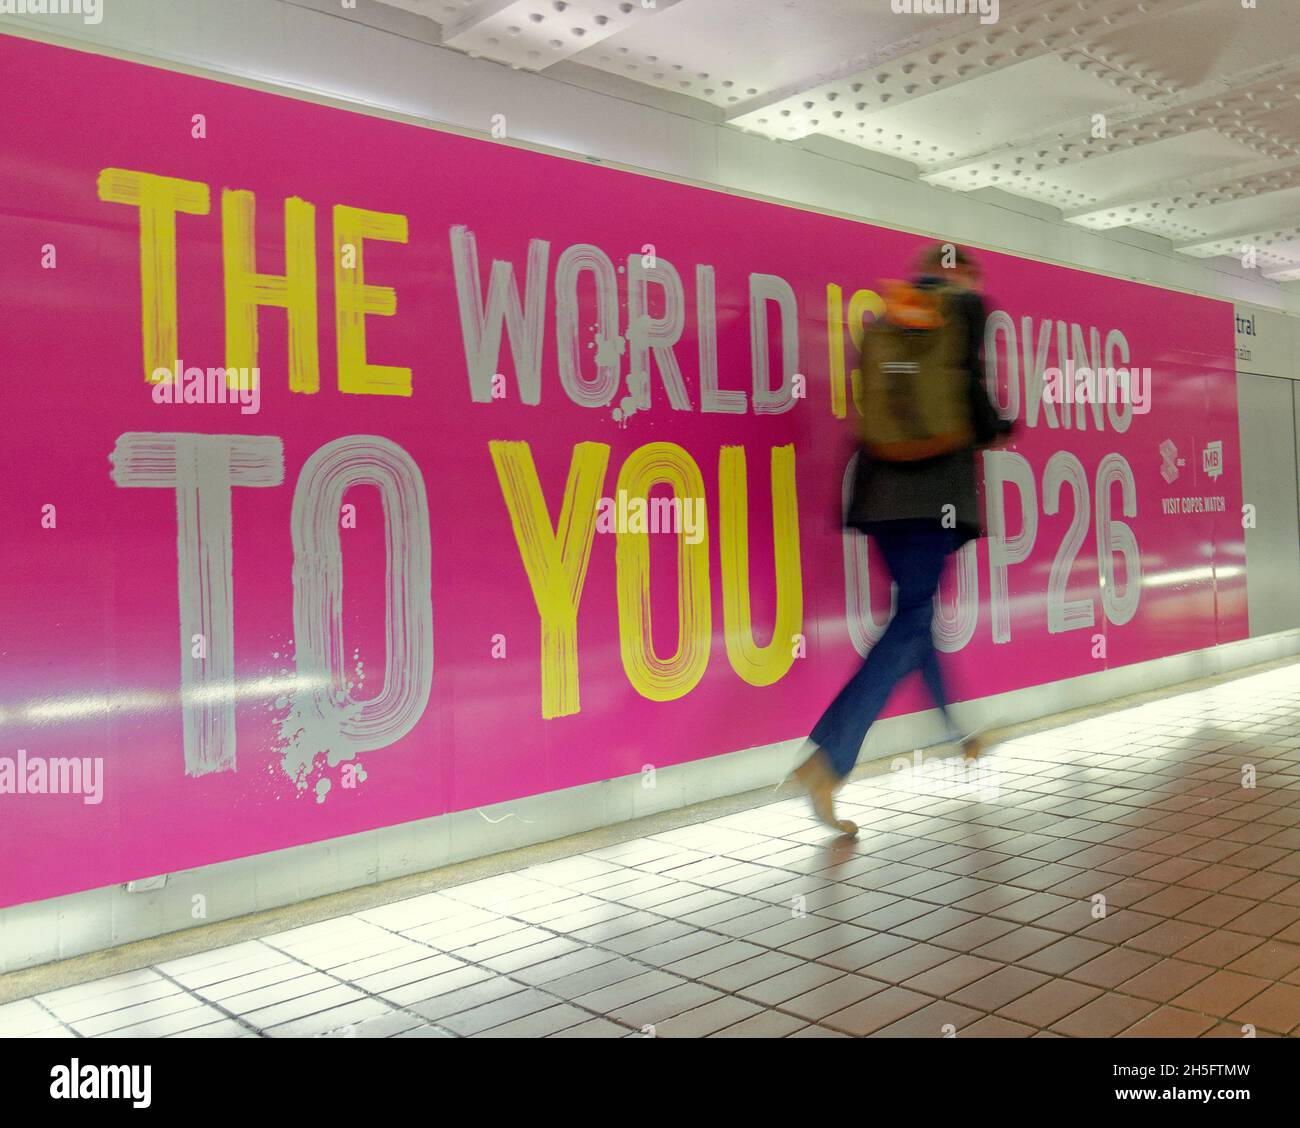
{"points": [[397, 580]]}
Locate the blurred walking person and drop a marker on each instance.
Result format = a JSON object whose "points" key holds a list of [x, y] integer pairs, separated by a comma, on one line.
{"points": [[925, 413]]}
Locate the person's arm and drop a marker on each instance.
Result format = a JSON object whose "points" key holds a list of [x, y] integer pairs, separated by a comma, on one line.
{"points": [[989, 425], [975, 314]]}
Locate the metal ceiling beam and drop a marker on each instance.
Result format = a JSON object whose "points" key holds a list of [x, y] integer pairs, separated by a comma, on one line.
{"points": [[1214, 104], [531, 35], [1200, 190], [1257, 237], [937, 60]]}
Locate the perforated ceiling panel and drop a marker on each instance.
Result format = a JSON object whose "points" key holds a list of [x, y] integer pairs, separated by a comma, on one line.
{"points": [[1177, 117], [534, 34]]}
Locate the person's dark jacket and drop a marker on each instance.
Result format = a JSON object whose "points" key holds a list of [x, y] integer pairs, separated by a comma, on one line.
{"points": [[917, 492]]}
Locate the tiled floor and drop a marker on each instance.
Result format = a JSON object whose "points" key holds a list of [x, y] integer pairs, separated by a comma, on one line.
{"points": [[1107, 878]]}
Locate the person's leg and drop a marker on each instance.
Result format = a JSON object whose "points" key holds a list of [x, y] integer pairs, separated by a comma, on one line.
{"points": [[972, 744], [932, 671], [843, 727], [932, 675], [915, 561]]}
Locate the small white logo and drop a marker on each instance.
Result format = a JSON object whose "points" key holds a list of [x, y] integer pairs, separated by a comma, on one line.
{"points": [[1212, 458], [1169, 461]]}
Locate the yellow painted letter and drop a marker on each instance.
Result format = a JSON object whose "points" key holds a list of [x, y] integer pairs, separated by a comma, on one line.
{"points": [[862, 302], [159, 198], [673, 677], [353, 300], [294, 290], [556, 561], [759, 665]]}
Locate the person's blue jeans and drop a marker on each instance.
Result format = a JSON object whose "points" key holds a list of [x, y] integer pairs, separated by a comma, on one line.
{"points": [[915, 557]]}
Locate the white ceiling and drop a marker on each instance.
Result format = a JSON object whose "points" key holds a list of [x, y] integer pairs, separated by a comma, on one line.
{"points": [[1201, 97]]}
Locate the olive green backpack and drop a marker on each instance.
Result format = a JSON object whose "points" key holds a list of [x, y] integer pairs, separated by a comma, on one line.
{"points": [[915, 394]]}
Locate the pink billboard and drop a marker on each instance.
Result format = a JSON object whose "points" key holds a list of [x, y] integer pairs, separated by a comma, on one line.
{"points": [[357, 472]]}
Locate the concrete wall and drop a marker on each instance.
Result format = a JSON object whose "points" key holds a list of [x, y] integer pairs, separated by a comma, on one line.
{"points": [[316, 48]]}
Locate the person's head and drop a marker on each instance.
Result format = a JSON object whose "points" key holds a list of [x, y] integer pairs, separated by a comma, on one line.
{"points": [[953, 263]]}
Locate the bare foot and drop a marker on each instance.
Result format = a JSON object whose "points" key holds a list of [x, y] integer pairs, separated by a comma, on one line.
{"points": [[820, 781]]}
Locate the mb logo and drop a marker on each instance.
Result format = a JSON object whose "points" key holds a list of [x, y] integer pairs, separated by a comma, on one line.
{"points": [[1212, 458]]}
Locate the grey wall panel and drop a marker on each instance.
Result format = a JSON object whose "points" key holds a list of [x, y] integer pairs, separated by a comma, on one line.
{"points": [[1269, 418]]}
